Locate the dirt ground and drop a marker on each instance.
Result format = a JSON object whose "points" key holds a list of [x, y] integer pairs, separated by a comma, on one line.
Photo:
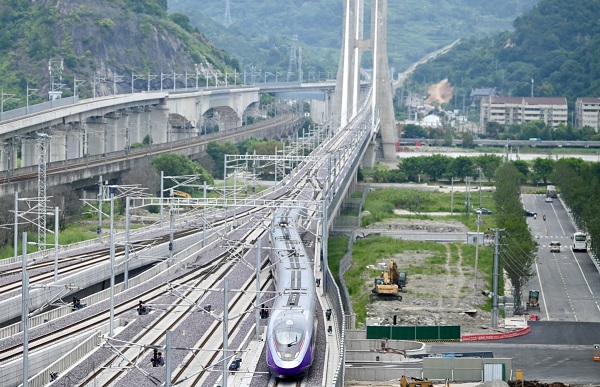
{"points": [[448, 299], [439, 93]]}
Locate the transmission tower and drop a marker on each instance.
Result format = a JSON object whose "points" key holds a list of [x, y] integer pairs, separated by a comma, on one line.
{"points": [[300, 72], [227, 19], [293, 61], [56, 83], [42, 142], [519, 7]]}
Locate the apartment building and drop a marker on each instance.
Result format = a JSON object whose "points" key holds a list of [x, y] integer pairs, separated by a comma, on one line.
{"points": [[587, 113], [519, 110]]}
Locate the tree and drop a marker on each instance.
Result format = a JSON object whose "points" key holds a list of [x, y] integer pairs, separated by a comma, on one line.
{"points": [[245, 145], [517, 252], [173, 164], [543, 168], [413, 168], [489, 164], [522, 167], [217, 153], [462, 167], [266, 147], [413, 131], [448, 137], [435, 166], [467, 140], [493, 129]]}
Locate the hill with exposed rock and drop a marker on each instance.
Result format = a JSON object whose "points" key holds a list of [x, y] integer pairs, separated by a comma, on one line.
{"points": [[98, 43]]}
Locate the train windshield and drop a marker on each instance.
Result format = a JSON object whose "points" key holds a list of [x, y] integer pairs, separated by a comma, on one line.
{"points": [[289, 338]]}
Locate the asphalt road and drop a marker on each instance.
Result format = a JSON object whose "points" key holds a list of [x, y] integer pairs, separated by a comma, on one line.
{"points": [[569, 282], [560, 348]]}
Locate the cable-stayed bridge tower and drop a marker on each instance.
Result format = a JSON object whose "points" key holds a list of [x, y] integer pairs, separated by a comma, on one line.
{"points": [[346, 97]]}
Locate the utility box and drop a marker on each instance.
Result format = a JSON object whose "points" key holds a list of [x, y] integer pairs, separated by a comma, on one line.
{"points": [[473, 238]]}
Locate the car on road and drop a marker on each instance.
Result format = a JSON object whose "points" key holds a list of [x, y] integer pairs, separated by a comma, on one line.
{"points": [[530, 213], [483, 211], [555, 247], [548, 199]]}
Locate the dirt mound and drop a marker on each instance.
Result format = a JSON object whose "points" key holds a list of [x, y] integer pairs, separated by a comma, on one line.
{"points": [[419, 225], [440, 93]]}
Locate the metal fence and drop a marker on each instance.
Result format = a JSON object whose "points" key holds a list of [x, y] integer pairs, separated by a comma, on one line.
{"points": [[43, 378], [178, 259], [31, 109]]}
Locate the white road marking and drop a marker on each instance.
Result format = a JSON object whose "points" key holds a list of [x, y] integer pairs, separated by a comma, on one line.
{"points": [[585, 279], [542, 292], [557, 218]]}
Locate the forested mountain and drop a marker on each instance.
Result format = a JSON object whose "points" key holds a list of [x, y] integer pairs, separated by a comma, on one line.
{"points": [[261, 31], [556, 44], [96, 41]]}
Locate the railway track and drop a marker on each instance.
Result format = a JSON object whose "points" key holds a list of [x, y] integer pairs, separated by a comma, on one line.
{"points": [[286, 383], [78, 164], [97, 319], [79, 262], [191, 298], [306, 187]]}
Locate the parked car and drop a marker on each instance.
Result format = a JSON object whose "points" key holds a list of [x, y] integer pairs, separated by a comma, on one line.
{"points": [[530, 213], [483, 211], [555, 247], [548, 199]]}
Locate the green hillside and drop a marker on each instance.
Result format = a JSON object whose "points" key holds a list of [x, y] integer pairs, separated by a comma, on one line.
{"points": [[557, 45], [261, 31], [97, 41]]}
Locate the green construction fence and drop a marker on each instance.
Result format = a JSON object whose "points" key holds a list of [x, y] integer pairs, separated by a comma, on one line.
{"points": [[415, 333]]}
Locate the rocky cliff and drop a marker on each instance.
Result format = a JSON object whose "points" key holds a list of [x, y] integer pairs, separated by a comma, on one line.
{"points": [[98, 42]]}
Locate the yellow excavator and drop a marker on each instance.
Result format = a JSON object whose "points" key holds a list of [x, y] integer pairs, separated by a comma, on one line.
{"points": [[386, 287], [416, 382], [181, 194]]}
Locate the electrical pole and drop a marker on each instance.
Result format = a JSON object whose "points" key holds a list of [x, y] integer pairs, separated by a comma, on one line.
{"points": [[468, 198], [477, 247], [495, 280], [112, 269], [452, 196], [25, 312], [225, 329], [480, 188], [42, 144]]}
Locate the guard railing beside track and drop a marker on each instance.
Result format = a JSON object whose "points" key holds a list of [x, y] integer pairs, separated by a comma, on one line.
{"points": [[105, 294], [43, 378]]}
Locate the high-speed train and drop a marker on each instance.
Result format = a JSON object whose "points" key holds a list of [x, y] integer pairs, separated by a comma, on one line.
{"points": [[292, 326]]}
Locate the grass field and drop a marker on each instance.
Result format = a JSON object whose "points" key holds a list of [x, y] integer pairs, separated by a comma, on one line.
{"points": [[381, 205], [370, 251]]}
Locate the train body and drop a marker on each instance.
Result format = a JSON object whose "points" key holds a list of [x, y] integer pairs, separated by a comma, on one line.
{"points": [[292, 326]]}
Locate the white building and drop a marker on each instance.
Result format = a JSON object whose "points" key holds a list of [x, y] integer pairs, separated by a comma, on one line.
{"points": [[587, 113], [431, 121], [519, 110]]}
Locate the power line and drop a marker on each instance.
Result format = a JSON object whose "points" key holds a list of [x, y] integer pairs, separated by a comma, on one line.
{"points": [[227, 18]]}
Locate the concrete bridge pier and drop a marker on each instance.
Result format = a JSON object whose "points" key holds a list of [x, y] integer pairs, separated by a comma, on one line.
{"points": [[117, 133], [368, 160], [159, 125], [321, 111], [96, 135], [29, 152], [74, 141], [58, 144], [137, 129], [145, 126], [8, 155]]}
